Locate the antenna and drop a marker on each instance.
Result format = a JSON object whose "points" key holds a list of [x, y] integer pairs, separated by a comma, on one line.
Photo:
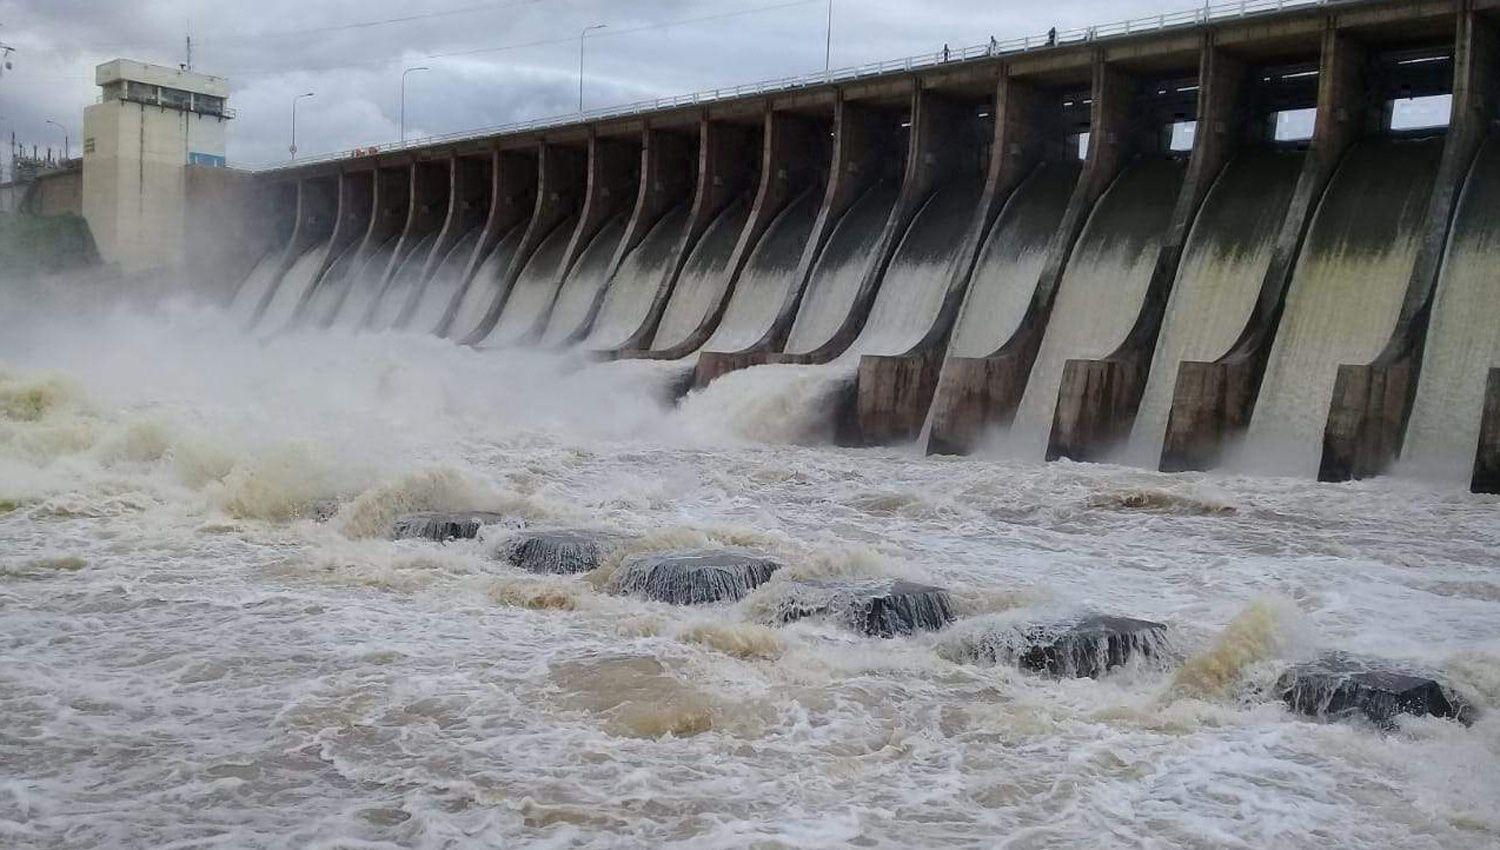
{"points": [[189, 65]]}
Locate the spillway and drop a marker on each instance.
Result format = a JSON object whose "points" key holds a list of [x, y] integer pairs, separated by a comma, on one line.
{"points": [[1463, 339], [329, 288], [1011, 261], [840, 269], [293, 288], [1103, 287], [1223, 266], [362, 286], [585, 282], [486, 285], [401, 285], [1344, 297], [704, 278], [532, 294], [257, 285], [439, 291], [627, 301], [912, 290], [768, 277]]}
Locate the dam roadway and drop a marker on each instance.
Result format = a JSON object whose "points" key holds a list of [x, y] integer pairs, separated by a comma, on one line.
{"points": [[1211, 240]]}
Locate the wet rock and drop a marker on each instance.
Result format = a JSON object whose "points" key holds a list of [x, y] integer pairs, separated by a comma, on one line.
{"points": [[324, 510], [1339, 686], [876, 608], [1083, 647], [443, 526], [561, 552], [693, 578]]}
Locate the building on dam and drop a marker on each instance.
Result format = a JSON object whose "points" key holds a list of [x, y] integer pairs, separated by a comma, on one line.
{"points": [[1254, 235]]}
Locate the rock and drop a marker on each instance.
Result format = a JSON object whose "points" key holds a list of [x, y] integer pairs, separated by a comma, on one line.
{"points": [[324, 510], [561, 552], [1339, 686], [443, 526], [1083, 648], [693, 578], [881, 608]]}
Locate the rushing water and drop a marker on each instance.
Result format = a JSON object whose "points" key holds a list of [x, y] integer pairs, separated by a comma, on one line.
{"points": [[190, 660]]}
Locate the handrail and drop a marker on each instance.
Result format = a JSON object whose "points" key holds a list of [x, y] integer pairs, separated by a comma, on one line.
{"points": [[1058, 38]]}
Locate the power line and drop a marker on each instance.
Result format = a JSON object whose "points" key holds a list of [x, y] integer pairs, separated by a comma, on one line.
{"points": [[478, 51]]}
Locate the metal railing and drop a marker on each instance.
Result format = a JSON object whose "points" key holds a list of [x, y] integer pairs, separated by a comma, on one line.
{"points": [[1059, 38]]}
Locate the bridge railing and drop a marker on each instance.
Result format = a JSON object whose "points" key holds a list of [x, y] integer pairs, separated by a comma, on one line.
{"points": [[1120, 29]]}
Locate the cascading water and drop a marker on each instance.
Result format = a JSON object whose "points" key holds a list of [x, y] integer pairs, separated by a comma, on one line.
{"points": [[404, 280], [437, 295], [768, 277], [585, 283], [1348, 287], [1218, 281], [1010, 263], [1102, 289], [629, 294], [704, 278], [1463, 339], [294, 287], [488, 283], [531, 297]]}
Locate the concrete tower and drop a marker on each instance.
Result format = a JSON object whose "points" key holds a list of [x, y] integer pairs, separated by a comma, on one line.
{"points": [[151, 127]]}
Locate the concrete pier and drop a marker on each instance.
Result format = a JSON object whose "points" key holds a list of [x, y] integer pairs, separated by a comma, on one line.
{"points": [[974, 394], [895, 391], [1372, 402], [1098, 399], [513, 184], [356, 197], [1213, 400], [431, 183], [1487, 456], [884, 145], [317, 208], [728, 167], [562, 177], [469, 185]]}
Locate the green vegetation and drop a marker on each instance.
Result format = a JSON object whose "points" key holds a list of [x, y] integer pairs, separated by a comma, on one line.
{"points": [[32, 244]]}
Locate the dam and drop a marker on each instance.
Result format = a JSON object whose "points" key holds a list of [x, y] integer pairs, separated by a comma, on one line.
{"points": [[1216, 240]]}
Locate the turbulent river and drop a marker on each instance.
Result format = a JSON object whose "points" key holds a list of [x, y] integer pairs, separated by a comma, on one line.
{"points": [[196, 655]]}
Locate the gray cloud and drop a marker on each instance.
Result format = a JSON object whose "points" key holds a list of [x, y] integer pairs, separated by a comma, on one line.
{"points": [[491, 62]]}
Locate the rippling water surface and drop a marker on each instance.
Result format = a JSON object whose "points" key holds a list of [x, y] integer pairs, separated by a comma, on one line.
{"points": [[190, 659]]}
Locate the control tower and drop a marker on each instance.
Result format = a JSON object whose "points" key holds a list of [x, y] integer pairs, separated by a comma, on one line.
{"points": [[151, 128]]}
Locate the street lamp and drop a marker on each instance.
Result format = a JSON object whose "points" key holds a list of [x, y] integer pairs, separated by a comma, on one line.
{"points": [[828, 41], [403, 96], [65, 136], [293, 148], [586, 31]]}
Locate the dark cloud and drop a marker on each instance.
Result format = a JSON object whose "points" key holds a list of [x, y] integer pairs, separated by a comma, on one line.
{"points": [[491, 62]]}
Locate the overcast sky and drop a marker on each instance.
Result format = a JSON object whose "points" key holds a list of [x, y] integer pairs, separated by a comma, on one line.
{"points": [[491, 61]]}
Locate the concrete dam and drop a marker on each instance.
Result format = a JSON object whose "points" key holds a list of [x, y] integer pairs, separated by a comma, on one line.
{"points": [[1212, 244]]}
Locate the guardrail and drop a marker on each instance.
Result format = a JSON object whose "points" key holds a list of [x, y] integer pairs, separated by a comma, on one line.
{"points": [[1057, 38]]}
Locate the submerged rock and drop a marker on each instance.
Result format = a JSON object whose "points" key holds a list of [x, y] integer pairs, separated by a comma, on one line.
{"points": [[875, 608], [693, 578], [443, 526], [1339, 686], [561, 552], [1081, 648]]}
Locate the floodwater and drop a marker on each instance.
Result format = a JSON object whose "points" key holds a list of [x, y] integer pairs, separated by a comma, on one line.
{"points": [[191, 660]]}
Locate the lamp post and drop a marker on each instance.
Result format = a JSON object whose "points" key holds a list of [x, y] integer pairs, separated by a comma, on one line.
{"points": [[293, 148], [403, 96], [828, 41], [65, 136], [586, 31]]}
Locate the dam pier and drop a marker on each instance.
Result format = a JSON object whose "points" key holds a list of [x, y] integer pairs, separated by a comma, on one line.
{"points": [[1228, 239]]}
